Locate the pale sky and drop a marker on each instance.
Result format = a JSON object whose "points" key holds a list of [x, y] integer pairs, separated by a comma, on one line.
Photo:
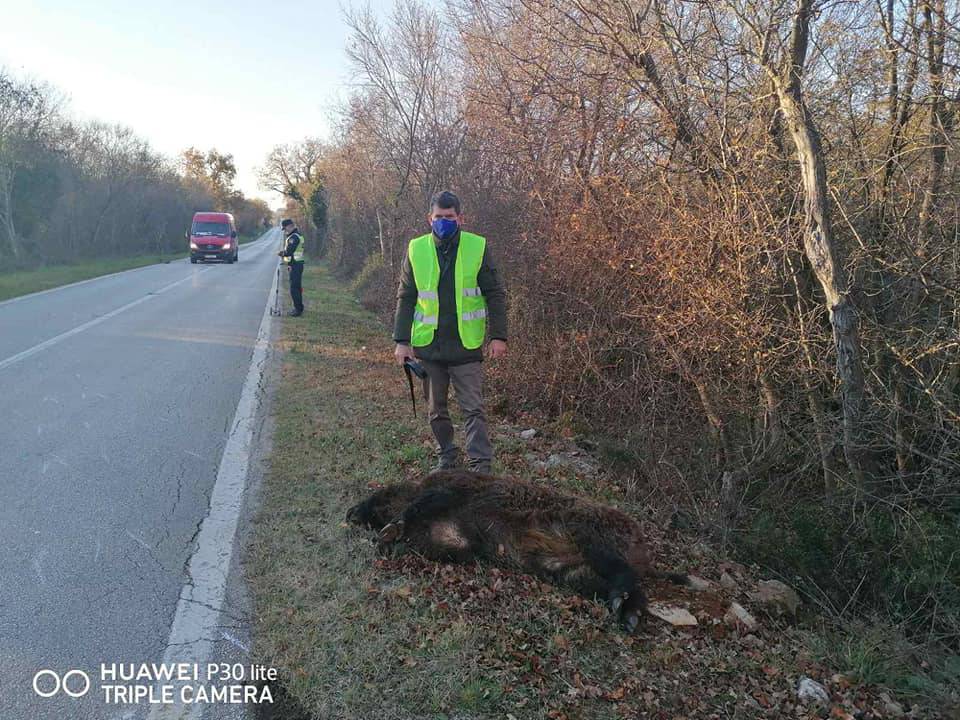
{"points": [[207, 73]]}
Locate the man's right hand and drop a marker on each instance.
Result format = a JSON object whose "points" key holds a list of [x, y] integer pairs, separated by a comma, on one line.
{"points": [[403, 352]]}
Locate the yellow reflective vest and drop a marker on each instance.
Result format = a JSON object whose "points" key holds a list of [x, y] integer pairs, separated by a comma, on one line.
{"points": [[471, 305], [298, 253]]}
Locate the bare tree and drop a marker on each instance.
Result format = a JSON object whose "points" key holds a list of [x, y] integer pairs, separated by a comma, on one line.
{"points": [[26, 110], [410, 104]]}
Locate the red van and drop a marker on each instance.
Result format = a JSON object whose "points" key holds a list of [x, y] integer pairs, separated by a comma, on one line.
{"points": [[213, 236]]}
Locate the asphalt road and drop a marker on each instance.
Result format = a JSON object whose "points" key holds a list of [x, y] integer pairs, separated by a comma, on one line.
{"points": [[116, 400]]}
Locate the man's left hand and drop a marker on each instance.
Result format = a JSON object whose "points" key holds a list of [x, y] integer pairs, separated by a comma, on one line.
{"points": [[496, 349]]}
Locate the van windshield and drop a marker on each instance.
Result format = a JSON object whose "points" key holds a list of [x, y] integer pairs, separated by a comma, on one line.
{"points": [[210, 228]]}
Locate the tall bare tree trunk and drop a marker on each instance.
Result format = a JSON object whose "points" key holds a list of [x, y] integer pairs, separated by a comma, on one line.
{"points": [[818, 240], [6, 210], [387, 257], [934, 23], [899, 102]]}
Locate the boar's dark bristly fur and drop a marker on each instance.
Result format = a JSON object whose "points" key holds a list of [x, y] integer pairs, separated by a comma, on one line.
{"points": [[458, 515]]}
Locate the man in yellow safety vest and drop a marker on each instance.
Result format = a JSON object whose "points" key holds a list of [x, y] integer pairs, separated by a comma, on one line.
{"points": [[450, 298], [292, 255]]}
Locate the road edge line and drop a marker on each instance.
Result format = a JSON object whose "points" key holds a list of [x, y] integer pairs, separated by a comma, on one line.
{"points": [[192, 631]]}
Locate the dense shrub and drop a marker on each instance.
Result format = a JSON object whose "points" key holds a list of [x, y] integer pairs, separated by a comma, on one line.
{"points": [[639, 177]]}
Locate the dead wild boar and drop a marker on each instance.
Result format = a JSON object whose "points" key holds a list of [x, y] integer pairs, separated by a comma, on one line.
{"points": [[458, 516]]}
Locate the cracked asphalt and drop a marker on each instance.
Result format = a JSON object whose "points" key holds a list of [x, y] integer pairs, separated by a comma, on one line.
{"points": [[110, 441]]}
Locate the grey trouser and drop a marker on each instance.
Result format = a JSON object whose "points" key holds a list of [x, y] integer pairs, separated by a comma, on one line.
{"points": [[468, 385]]}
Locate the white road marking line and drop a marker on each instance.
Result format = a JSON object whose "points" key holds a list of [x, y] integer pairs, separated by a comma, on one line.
{"points": [[91, 323], [194, 628], [37, 561]]}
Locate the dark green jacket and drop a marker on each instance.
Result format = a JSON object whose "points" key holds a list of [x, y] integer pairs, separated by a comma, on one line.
{"points": [[446, 346]]}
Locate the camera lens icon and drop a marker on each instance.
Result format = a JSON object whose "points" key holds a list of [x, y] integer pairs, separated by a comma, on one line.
{"points": [[47, 683]]}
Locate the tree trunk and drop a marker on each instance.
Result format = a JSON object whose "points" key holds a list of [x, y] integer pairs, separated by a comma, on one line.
{"points": [[772, 430], [6, 210], [818, 241], [387, 257], [824, 444], [934, 19]]}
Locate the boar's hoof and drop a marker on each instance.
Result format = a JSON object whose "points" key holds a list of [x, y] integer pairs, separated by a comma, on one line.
{"points": [[391, 532], [617, 598]]}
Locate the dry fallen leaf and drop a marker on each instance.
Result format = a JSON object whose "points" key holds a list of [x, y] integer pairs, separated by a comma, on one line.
{"points": [[616, 694]]}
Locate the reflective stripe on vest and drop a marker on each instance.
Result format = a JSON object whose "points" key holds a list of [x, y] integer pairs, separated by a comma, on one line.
{"points": [[471, 305]]}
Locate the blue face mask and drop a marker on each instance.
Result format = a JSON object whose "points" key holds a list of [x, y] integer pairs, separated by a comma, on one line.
{"points": [[444, 228]]}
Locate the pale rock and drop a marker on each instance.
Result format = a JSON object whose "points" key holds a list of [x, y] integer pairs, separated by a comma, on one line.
{"points": [[677, 616], [580, 465], [777, 597], [728, 583], [891, 707], [810, 691], [698, 583], [528, 434], [737, 615], [555, 461]]}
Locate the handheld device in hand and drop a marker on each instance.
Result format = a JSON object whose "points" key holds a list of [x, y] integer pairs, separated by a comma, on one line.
{"points": [[415, 367], [411, 367]]}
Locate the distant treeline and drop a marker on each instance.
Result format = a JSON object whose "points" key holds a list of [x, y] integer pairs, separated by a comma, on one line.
{"points": [[74, 190]]}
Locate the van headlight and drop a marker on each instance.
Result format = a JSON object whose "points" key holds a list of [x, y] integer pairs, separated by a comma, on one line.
{"points": [[193, 246], [226, 246]]}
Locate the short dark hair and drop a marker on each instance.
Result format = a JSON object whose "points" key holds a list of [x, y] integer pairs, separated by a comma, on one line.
{"points": [[444, 200], [286, 222]]}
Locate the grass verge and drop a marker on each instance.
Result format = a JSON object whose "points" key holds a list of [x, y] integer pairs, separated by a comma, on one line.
{"points": [[23, 282], [360, 633]]}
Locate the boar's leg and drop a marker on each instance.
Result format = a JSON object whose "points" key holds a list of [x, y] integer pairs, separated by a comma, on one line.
{"points": [[624, 594], [428, 505], [431, 524]]}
